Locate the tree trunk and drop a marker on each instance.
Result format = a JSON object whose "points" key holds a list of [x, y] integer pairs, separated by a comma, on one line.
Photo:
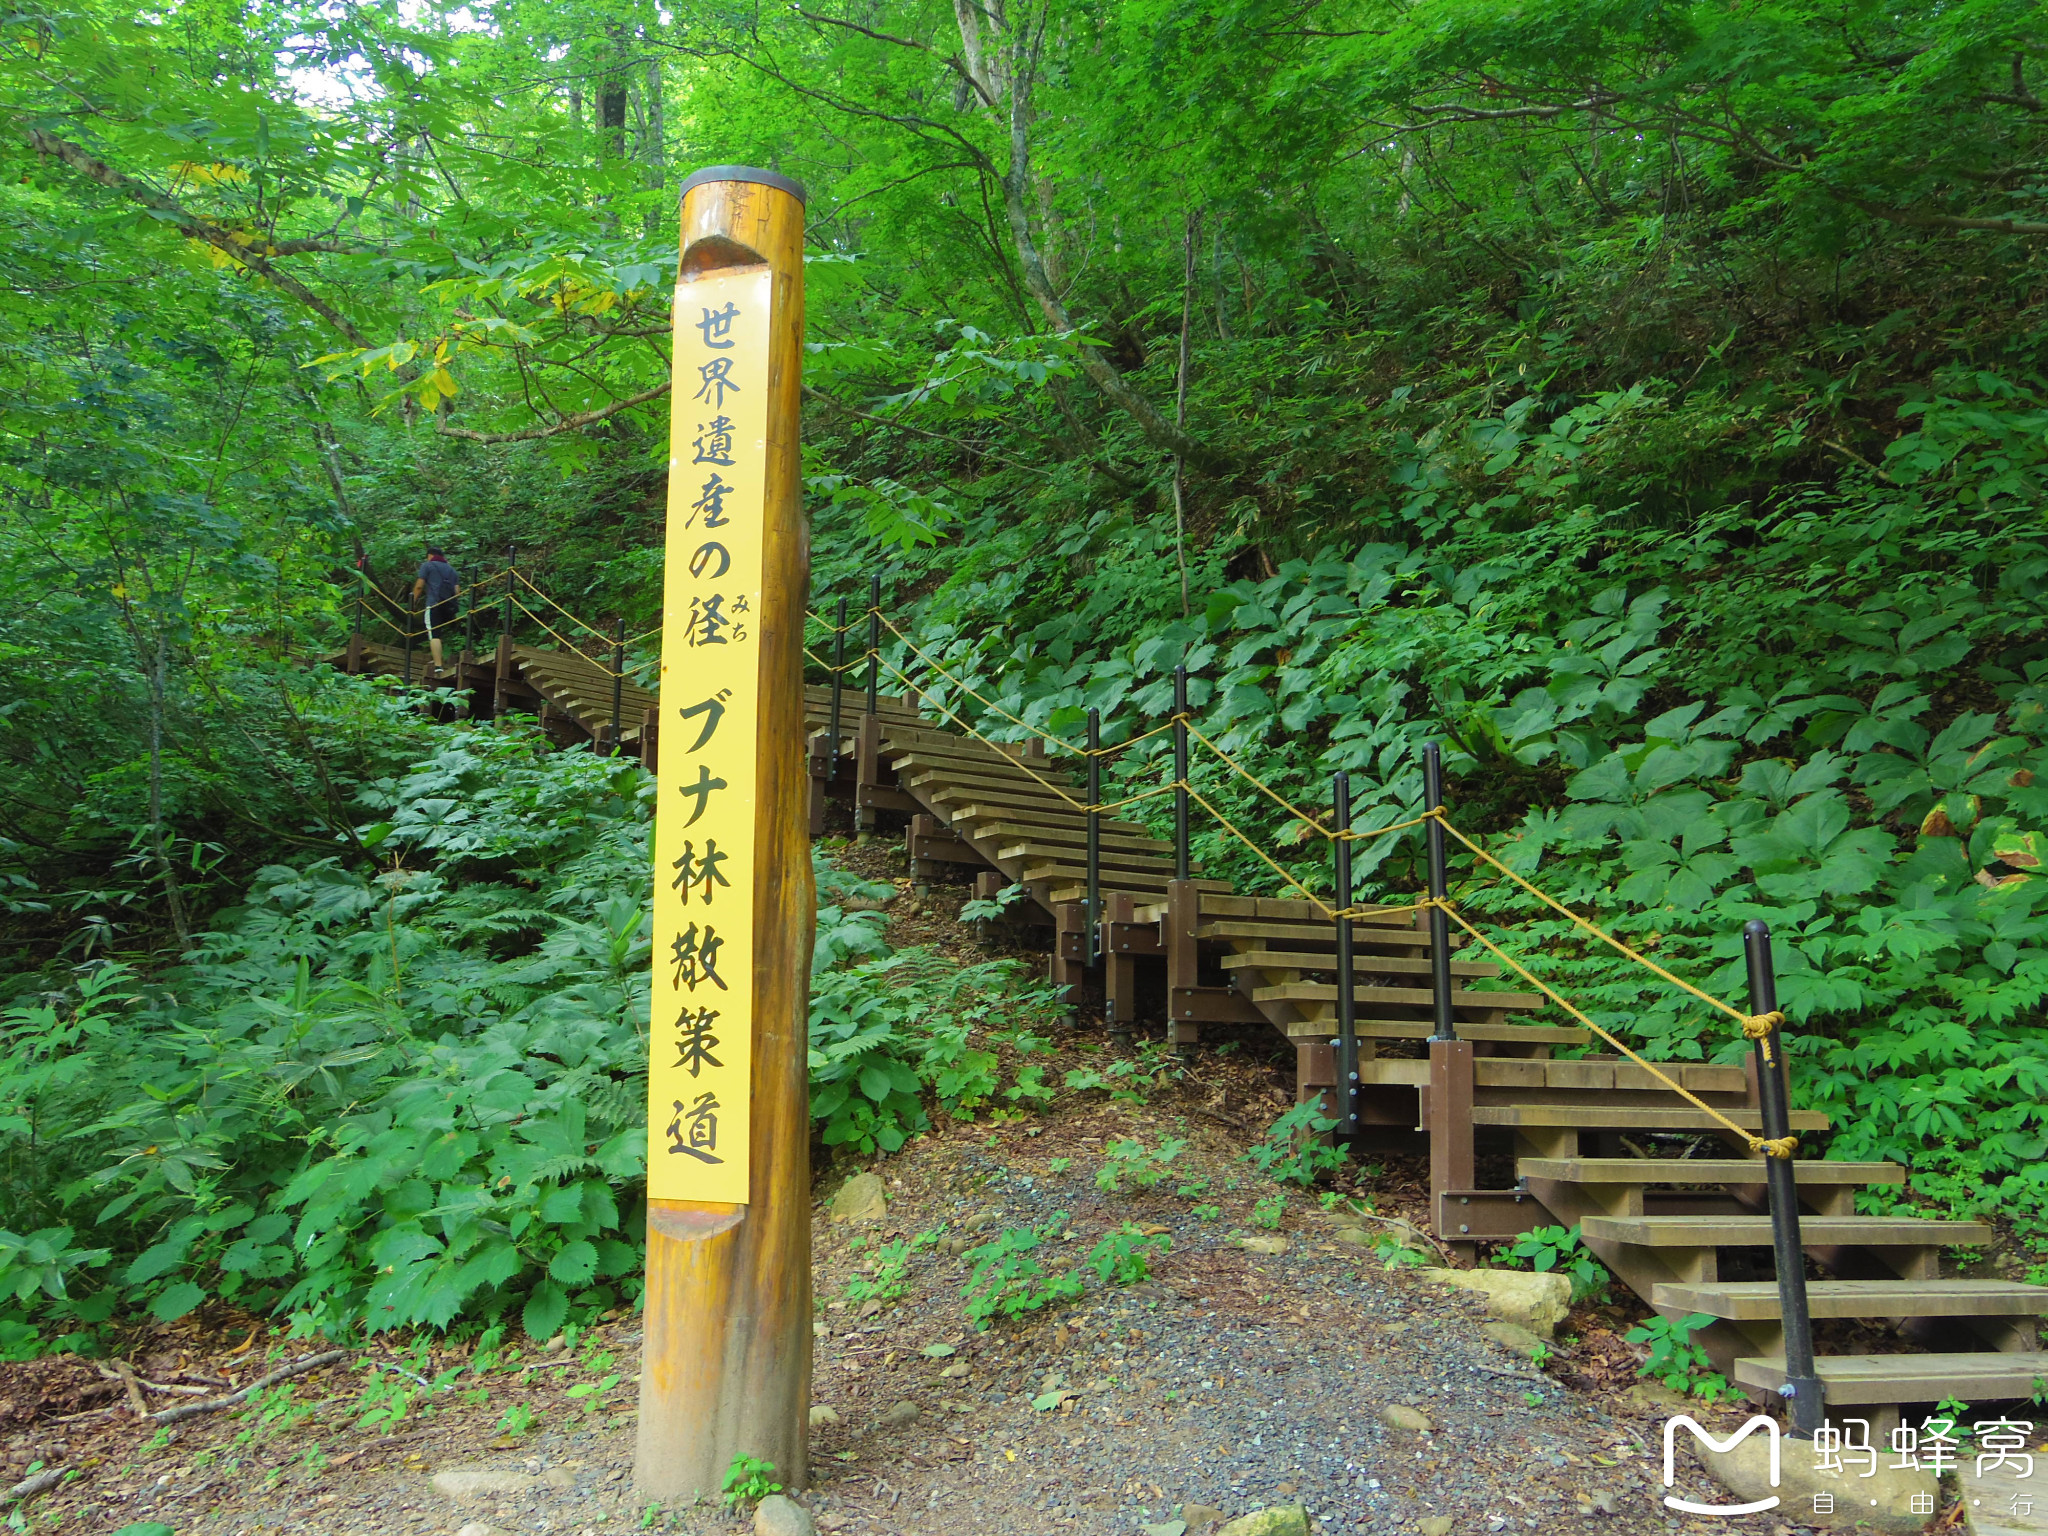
{"points": [[174, 898]]}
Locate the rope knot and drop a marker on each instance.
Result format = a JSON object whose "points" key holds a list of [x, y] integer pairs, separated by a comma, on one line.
{"points": [[1786, 1147], [1758, 1026]]}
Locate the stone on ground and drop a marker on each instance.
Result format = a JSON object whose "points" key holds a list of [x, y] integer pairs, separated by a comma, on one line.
{"points": [[1533, 1300], [1281, 1520], [1166, 1528], [476, 1481], [1271, 1246], [474, 1529], [1201, 1518], [1999, 1502], [860, 1198], [1402, 1416], [900, 1415], [1513, 1336], [780, 1516], [1882, 1503], [1435, 1525]]}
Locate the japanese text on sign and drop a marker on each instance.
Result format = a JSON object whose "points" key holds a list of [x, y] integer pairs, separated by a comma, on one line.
{"points": [[701, 1050]]}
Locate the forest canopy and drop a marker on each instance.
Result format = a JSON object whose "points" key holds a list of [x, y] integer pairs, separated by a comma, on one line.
{"points": [[1645, 399]]}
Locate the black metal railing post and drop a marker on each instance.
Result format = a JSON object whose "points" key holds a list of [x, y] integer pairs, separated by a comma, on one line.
{"points": [[618, 677], [1802, 1388], [1092, 951], [468, 640], [362, 602], [1180, 773], [511, 563], [408, 645], [874, 643], [1347, 1003], [838, 681], [1439, 891]]}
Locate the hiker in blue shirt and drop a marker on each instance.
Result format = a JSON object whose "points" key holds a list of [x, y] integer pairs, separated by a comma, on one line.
{"points": [[438, 585]]}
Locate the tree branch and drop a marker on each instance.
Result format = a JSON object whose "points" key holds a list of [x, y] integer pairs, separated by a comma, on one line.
{"points": [[194, 227], [572, 421]]}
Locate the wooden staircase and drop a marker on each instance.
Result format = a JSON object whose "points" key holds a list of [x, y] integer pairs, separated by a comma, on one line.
{"points": [[1669, 1200], [571, 694]]}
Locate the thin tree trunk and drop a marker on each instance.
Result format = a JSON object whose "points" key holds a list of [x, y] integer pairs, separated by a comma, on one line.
{"points": [[174, 898], [1180, 402]]}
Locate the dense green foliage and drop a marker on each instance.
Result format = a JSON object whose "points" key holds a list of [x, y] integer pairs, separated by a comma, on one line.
{"points": [[1645, 399]]}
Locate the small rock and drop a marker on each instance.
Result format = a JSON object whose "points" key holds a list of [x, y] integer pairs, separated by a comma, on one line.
{"points": [[474, 1529], [1515, 1337], [901, 1415], [1402, 1416], [1280, 1520], [1880, 1502], [557, 1344], [1535, 1300], [1271, 1245], [1656, 1398], [778, 1515], [1166, 1528], [1201, 1518], [1283, 1488], [1435, 1525], [955, 1371], [475, 1482], [1354, 1237], [821, 1416], [860, 1198]]}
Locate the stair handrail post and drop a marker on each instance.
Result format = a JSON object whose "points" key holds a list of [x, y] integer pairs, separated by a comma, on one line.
{"points": [[618, 678], [468, 640], [1439, 892], [1180, 773], [874, 643], [1803, 1391], [1347, 1002], [1091, 951], [511, 564], [408, 645], [838, 686]]}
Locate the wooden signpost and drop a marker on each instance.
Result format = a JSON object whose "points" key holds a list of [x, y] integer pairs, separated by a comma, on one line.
{"points": [[726, 1365]]}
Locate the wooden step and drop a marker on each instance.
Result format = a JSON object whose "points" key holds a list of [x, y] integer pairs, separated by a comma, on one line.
{"points": [[1700, 1170], [1362, 965], [1594, 1117], [1289, 911], [1366, 934], [920, 766], [1076, 837], [1421, 997], [1536, 1076], [1038, 853], [1847, 1380], [1757, 1300], [966, 809], [1814, 1231], [1123, 881], [1556, 1035]]}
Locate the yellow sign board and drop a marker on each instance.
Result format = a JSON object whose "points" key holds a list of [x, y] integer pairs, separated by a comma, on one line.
{"points": [[701, 1037]]}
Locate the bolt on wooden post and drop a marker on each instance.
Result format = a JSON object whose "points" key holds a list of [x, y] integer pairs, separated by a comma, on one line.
{"points": [[727, 1360]]}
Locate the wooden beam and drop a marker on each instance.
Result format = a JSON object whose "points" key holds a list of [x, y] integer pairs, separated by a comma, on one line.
{"points": [[726, 1367]]}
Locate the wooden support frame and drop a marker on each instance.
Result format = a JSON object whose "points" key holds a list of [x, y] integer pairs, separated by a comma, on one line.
{"points": [[1449, 1117], [1120, 946], [1190, 1004]]}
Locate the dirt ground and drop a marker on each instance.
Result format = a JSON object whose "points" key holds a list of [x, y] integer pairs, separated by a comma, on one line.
{"points": [[1224, 1380]]}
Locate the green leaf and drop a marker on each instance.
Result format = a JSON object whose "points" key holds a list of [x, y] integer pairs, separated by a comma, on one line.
{"points": [[575, 1264], [170, 1305], [545, 1311]]}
